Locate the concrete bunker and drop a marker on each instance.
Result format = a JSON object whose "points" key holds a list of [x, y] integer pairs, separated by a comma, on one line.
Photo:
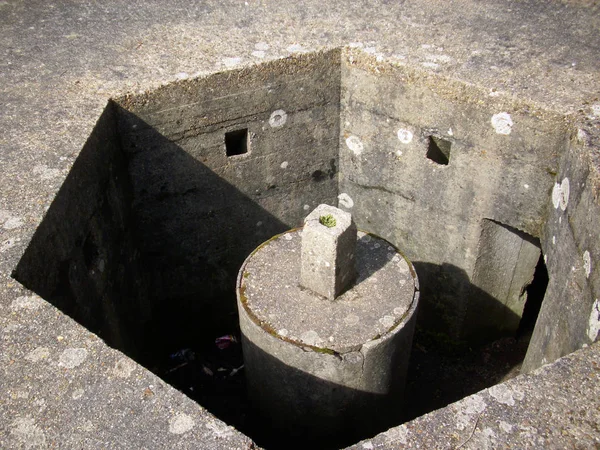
{"points": [[175, 187]]}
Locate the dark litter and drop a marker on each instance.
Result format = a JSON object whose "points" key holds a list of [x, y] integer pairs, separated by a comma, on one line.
{"points": [[212, 373], [225, 342]]}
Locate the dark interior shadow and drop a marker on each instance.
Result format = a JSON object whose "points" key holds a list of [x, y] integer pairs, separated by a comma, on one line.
{"points": [[193, 231], [344, 415], [445, 368], [143, 248]]}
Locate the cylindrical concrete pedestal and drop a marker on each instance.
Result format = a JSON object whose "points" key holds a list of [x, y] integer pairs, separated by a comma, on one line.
{"points": [[326, 370]]}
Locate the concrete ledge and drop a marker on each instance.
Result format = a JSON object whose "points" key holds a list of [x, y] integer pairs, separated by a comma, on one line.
{"points": [[556, 406]]}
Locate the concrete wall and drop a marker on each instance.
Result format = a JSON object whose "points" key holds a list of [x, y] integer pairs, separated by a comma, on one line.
{"points": [[570, 314], [200, 212], [502, 165]]}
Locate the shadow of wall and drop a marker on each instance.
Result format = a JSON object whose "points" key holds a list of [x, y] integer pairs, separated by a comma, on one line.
{"points": [[83, 256]]}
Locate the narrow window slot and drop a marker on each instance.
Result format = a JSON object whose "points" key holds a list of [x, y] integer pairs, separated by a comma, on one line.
{"points": [[236, 142], [439, 150]]}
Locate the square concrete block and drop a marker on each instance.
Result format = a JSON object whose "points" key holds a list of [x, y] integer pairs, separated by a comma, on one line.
{"points": [[328, 251]]}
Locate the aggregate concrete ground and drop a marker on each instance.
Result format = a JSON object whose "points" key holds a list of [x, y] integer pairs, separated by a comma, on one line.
{"points": [[63, 387]]}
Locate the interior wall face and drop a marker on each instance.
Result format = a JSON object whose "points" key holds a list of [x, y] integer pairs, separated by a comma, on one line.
{"points": [[505, 265], [502, 166], [570, 314], [199, 211]]}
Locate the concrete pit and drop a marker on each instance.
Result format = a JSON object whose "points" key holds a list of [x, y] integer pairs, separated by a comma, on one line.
{"points": [[176, 186], [327, 364]]}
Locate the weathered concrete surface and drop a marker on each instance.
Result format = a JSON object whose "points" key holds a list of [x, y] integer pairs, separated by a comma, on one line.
{"points": [[503, 161], [555, 407], [319, 371], [62, 61], [569, 314], [505, 265]]}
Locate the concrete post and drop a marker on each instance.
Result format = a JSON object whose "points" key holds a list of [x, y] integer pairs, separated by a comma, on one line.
{"points": [[327, 373], [328, 247]]}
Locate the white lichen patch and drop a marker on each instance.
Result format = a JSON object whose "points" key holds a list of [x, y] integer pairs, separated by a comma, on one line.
{"points": [[403, 266], [22, 394], [355, 144], [295, 48], [88, 426], [4, 215], [30, 302], [405, 136], [72, 357], [219, 429], [467, 408], [283, 332], [587, 263], [367, 445], [45, 172], [231, 62], [13, 222], [311, 338], [345, 200], [594, 321], [124, 367], [284, 165], [397, 436], [38, 354], [556, 195], [438, 58], [596, 109], [278, 118], [25, 431], [560, 194], [387, 321], [77, 394], [181, 423], [505, 394], [505, 426], [502, 123], [354, 357]]}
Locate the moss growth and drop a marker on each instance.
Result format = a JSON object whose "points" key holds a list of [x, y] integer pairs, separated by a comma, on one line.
{"points": [[328, 220]]}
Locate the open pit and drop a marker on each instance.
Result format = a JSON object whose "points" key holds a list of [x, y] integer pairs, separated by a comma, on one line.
{"points": [[175, 187]]}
